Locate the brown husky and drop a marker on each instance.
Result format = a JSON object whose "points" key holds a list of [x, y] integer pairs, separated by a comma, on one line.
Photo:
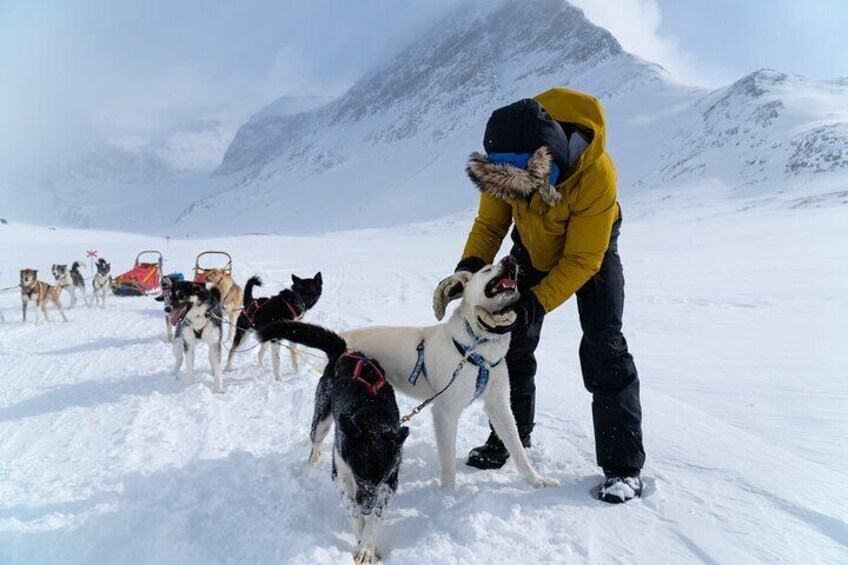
{"points": [[231, 296], [41, 292]]}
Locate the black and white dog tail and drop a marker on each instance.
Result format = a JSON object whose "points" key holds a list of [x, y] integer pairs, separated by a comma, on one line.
{"points": [[309, 335], [77, 265], [248, 289]]}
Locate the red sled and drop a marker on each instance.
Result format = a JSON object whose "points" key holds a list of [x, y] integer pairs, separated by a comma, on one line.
{"points": [[144, 278], [224, 263]]}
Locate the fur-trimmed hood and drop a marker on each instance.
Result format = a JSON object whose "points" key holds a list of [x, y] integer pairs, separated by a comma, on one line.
{"points": [[569, 107], [503, 180]]}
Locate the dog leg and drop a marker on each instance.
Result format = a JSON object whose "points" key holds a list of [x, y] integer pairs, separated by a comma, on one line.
{"points": [[169, 334], [236, 342], [178, 358], [497, 409], [24, 304], [84, 297], [366, 549], [189, 360], [446, 423], [293, 352], [58, 302], [232, 330], [322, 416], [275, 360], [263, 349], [215, 361], [43, 308], [73, 294], [347, 493]]}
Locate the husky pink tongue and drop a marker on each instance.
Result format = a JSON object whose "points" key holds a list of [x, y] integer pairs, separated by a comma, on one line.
{"points": [[177, 315], [505, 284]]}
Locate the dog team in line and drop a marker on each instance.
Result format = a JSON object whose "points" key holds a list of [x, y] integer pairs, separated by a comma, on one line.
{"points": [[446, 367], [68, 279]]}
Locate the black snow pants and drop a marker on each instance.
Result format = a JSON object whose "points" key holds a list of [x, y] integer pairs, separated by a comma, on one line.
{"points": [[608, 369]]}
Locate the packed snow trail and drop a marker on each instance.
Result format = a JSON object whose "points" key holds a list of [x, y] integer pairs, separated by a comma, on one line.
{"points": [[105, 458]]}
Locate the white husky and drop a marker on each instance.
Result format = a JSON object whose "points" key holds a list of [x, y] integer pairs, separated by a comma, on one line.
{"points": [[401, 351]]}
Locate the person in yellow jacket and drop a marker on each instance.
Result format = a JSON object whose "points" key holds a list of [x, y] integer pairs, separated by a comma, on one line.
{"points": [[546, 173]]}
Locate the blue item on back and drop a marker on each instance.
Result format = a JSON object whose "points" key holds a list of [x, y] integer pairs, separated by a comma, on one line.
{"points": [[520, 160], [177, 276]]}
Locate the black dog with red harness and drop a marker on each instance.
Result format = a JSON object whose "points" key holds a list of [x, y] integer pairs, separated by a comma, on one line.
{"points": [[290, 304], [353, 392]]}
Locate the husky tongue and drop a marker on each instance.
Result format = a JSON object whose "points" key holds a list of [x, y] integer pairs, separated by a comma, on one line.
{"points": [[177, 315], [504, 284]]}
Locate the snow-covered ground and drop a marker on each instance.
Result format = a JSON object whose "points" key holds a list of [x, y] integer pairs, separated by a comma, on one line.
{"points": [[736, 319]]}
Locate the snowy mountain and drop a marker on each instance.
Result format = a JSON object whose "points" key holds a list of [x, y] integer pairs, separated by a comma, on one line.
{"points": [[135, 181], [392, 149]]}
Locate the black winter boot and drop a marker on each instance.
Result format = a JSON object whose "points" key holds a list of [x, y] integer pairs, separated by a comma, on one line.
{"points": [[492, 454], [620, 485]]}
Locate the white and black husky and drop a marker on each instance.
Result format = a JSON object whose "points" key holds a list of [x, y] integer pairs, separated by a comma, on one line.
{"points": [[101, 284], [353, 392], [70, 280], [457, 362], [196, 313]]}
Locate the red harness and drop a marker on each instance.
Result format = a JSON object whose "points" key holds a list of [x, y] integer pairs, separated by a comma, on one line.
{"points": [[254, 307], [373, 388]]}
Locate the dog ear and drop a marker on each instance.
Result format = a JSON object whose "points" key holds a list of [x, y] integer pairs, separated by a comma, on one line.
{"points": [[318, 278], [348, 426], [402, 434], [296, 279]]}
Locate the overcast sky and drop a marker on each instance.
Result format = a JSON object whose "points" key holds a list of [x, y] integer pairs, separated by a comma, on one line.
{"points": [[70, 70]]}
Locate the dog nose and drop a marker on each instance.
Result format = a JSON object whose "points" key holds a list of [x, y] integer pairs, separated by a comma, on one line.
{"points": [[509, 261]]}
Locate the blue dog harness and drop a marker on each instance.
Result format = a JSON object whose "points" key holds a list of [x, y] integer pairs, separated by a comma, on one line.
{"points": [[420, 368], [468, 354], [482, 365]]}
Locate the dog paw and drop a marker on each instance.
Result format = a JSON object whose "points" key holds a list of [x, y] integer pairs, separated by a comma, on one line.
{"points": [[314, 455], [449, 484], [365, 554], [539, 481]]}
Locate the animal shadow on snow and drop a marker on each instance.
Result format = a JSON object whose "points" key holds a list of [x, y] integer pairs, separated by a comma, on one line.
{"points": [[99, 344], [86, 394], [236, 509]]}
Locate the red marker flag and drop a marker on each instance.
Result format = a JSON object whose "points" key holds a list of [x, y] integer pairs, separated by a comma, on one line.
{"points": [[91, 253]]}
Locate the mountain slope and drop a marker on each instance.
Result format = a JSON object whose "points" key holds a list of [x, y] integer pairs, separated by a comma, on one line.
{"points": [[392, 149]]}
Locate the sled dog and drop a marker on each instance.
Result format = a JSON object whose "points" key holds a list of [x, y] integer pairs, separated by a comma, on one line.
{"points": [[40, 292], [164, 296], [70, 280], [232, 297], [289, 304], [461, 359], [101, 284], [195, 311], [353, 393]]}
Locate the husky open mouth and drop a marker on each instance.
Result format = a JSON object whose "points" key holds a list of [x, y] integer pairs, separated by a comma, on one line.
{"points": [[507, 281], [177, 314]]}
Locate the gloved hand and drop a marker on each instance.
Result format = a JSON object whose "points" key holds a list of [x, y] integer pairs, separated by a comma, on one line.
{"points": [[450, 288], [496, 322], [526, 311]]}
